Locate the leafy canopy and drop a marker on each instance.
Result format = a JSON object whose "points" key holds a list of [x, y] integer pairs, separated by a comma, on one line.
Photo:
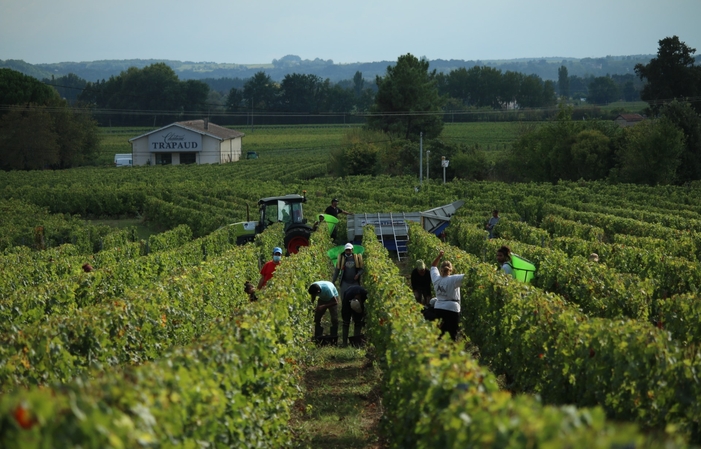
{"points": [[407, 101]]}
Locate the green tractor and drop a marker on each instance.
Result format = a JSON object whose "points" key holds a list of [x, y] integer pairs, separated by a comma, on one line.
{"points": [[286, 209]]}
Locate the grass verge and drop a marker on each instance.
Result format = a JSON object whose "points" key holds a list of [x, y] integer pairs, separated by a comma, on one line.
{"points": [[341, 407]]}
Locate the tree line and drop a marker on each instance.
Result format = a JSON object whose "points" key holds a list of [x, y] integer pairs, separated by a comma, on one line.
{"points": [[408, 102], [665, 148], [39, 129], [154, 95]]}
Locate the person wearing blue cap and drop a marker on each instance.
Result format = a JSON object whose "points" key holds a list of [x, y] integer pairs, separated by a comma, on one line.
{"points": [[266, 273]]}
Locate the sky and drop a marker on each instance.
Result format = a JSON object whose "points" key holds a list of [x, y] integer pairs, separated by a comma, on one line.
{"points": [[258, 31]]}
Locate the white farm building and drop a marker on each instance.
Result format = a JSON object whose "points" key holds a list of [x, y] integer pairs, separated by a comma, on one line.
{"points": [[189, 142]]}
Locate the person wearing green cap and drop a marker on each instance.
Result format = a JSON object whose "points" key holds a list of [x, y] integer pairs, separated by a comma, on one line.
{"points": [[421, 283]]}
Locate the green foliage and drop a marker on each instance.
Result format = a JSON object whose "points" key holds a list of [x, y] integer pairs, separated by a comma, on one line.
{"points": [[39, 130], [436, 395], [591, 155], [546, 345], [563, 82], [683, 116], [651, 153], [153, 88], [17, 89], [407, 101], [28, 139], [672, 74], [603, 90], [38, 137]]}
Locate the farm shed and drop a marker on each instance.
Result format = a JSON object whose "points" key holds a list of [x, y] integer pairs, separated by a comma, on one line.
{"points": [[189, 142], [625, 120]]}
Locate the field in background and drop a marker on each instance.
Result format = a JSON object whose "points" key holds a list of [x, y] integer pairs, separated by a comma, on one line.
{"points": [[275, 140]]}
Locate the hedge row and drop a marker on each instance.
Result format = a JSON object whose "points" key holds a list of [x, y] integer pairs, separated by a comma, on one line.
{"points": [[544, 345], [436, 395], [232, 387]]}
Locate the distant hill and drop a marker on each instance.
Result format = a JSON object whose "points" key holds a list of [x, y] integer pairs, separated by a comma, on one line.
{"points": [[546, 68]]}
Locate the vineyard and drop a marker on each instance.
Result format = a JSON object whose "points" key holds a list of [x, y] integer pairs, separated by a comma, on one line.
{"points": [[155, 344]]}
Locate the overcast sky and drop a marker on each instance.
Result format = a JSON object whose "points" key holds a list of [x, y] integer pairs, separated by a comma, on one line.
{"points": [[258, 31]]}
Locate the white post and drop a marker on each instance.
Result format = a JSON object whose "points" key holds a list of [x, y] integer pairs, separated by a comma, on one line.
{"points": [[443, 165]]}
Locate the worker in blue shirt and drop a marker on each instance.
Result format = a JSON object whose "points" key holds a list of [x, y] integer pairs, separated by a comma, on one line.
{"points": [[326, 297]]}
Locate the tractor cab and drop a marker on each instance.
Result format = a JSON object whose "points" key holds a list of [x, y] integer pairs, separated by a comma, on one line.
{"points": [[286, 209]]}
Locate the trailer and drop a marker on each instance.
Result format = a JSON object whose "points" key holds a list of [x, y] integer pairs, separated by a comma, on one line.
{"points": [[392, 228]]}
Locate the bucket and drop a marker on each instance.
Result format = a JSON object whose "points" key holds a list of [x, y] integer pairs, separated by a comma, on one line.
{"points": [[336, 250], [523, 269], [331, 220]]}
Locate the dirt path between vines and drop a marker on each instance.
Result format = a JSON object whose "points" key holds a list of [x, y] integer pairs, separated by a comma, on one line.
{"points": [[341, 407]]}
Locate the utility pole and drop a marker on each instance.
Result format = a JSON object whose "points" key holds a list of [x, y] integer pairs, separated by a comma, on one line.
{"points": [[421, 158], [444, 164], [428, 153]]}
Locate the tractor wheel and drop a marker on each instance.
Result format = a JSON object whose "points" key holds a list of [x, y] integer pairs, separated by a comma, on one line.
{"points": [[297, 238]]}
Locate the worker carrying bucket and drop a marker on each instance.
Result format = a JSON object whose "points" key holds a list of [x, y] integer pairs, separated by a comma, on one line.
{"points": [[515, 265]]}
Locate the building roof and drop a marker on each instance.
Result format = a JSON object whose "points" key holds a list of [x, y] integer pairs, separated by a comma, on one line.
{"points": [[631, 117], [211, 129], [198, 126]]}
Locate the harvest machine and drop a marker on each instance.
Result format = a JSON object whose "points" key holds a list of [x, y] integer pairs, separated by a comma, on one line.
{"points": [[392, 228]]}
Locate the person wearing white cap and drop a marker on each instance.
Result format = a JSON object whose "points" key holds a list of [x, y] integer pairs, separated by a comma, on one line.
{"points": [[350, 268], [266, 273]]}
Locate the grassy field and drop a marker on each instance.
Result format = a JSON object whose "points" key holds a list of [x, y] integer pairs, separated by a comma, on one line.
{"points": [[265, 139]]}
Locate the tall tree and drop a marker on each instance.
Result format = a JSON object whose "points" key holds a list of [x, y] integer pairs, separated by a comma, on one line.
{"points": [[672, 74], [155, 89], [530, 94], [510, 84], [235, 100], [457, 85], [651, 153], [407, 100], [563, 81], [358, 84], [68, 87], [194, 96], [260, 92], [603, 90], [303, 93], [16, 88], [28, 139], [683, 116], [40, 130]]}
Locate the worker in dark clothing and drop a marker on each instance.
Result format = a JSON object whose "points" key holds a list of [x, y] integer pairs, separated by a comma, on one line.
{"points": [[421, 283], [334, 210], [350, 268], [353, 307]]}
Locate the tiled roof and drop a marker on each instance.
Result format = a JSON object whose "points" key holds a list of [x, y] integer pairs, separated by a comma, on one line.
{"points": [[631, 117], [212, 129]]}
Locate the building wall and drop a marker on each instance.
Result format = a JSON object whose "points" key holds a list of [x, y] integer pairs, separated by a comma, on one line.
{"points": [[231, 150], [213, 152]]}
